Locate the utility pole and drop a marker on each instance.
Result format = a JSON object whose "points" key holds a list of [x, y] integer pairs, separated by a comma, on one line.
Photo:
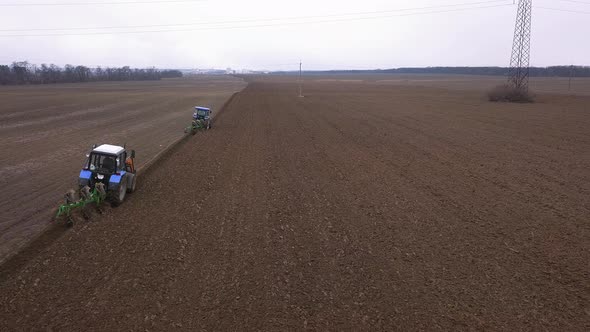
{"points": [[569, 85], [521, 47], [300, 89]]}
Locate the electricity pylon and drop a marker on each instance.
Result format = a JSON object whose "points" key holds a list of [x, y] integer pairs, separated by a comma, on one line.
{"points": [[518, 75]]}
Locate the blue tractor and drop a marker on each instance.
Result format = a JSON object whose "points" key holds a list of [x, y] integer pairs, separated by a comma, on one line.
{"points": [[201, 120], [109, 173], [114, 167]]}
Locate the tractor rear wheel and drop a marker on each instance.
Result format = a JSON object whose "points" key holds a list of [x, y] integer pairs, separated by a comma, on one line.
{"points": [[119, 195], [131, 188]]}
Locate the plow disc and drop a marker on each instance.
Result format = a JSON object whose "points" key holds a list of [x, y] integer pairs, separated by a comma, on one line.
{"points": [[87, 196]]}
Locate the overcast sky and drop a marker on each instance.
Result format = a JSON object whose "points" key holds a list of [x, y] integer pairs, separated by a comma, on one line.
{"points": [[274, 35]]}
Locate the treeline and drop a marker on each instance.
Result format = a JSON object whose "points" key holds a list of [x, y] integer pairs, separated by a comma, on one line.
{"points": [[26, 73], [554, 71]]}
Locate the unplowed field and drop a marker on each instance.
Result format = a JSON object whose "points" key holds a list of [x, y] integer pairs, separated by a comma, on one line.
{"points": [[359, 207], [45, 132]]}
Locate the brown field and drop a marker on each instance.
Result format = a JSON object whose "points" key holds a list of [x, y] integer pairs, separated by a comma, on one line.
{"points": [[538, 85], [363, 206], [45, 132]]}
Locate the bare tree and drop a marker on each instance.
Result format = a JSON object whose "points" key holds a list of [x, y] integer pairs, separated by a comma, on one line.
{"points": [[23, 72]]}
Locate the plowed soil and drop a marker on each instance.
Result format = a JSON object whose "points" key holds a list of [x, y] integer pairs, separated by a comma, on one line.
{"points": [[46, 131], [359, 207]]}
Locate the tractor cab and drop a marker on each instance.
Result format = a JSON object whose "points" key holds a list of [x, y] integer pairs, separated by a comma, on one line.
{"points": [[202, 113], [103, 163], [109, 159]]}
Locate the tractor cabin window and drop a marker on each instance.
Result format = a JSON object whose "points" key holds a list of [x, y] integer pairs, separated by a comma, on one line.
{"points": [[122, 158], [102, 163]]}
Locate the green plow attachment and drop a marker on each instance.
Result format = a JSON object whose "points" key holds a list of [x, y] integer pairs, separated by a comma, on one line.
{"points": [[195, 126], [97, 196]]}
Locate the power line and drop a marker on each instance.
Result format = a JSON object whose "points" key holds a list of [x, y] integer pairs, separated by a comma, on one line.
{"points": [[562, 10], [94, 3], [253, 26], [575, 1], [259, 20]]}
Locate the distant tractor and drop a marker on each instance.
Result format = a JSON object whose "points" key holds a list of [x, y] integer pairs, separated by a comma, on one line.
{"points": [[108, 174], [201, 120]]}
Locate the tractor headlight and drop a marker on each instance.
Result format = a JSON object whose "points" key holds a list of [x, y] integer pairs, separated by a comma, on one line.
{"points": [[100, 176]]}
